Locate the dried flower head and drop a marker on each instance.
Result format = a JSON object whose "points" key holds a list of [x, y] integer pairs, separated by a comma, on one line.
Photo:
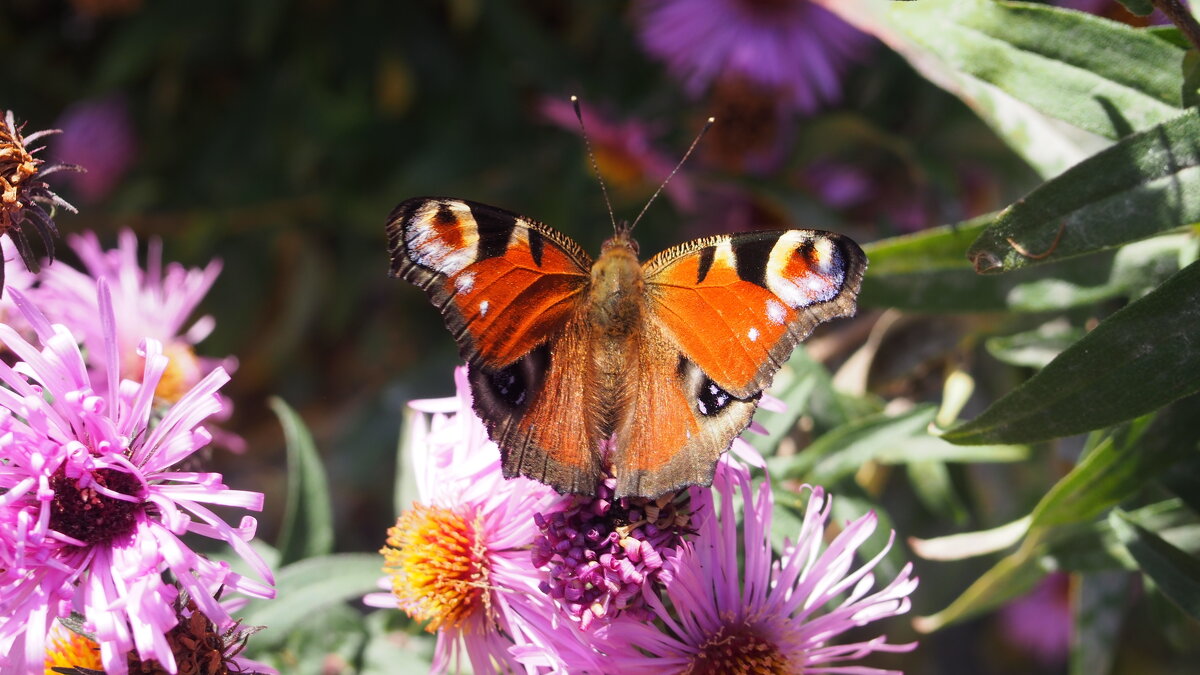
{"points": [[24, 192]]}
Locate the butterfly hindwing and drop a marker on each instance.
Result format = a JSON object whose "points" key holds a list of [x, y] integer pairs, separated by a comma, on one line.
{"points": [[737, 305], [677, 424]]}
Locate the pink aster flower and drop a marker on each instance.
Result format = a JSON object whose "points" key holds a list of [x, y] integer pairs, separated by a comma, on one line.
{"points": [[793, 47], [92, 507], [732, 606], [1041, 620], [96, 134], [16, 276], [152, 303], [459, 558], [625, 153]]}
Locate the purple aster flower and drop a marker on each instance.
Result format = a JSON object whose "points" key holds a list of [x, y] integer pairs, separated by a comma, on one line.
{"points": [[1041, 620], [732, 606], [92, 507], [794, 48], [601, 553], [96, 134], [459, 558], [625, 153], [152, 303]]}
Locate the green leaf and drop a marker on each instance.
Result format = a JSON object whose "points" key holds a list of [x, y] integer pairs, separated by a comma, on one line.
{"points": [[1191, 79], [1140, 358], [929, 272], [1140, 8], [310, 586], [890, 439], [933, 486], [1087, 547], [1097, 604], [1035, 348], [307, 528], [1009, 578], [389, 650], [1113, 470], [1145, 184], [1176, 573], [1097, 75]]}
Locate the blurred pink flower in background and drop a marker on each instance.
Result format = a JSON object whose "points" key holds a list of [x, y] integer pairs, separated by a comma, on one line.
{"points": [[98, 135], [625, 153], [792, 47], [153, 302], [1040, 621]]}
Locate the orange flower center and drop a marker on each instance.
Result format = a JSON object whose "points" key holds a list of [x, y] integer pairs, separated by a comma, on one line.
{"points": [[68, 649], [438, 566]]}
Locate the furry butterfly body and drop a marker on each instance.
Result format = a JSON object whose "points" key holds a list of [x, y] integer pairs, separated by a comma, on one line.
{"points": [[648, 370]]}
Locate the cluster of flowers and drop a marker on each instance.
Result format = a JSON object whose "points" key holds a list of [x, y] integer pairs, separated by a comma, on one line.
{"points": [[102, 412], [518, 578]]}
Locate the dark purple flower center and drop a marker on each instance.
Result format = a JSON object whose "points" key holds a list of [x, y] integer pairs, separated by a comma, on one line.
{"points": [[600, 554], [88, 515], [738, 650]]}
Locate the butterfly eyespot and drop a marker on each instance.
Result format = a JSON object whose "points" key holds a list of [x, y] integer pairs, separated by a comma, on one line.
{"points": [[510, 388], [712, 399]]}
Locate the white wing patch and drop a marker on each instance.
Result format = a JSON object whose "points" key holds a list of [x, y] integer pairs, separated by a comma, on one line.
{"points": [[823, 279], [753, 335], [464, 282], [444, 249], [483, 308], [776, 313]]}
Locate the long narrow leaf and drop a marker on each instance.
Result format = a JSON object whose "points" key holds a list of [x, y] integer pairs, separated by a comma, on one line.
{"points": [[308, 514], [1136, 361], [1145, 184]]}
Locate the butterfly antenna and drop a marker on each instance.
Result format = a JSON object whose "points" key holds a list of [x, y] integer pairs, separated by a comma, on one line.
{"points": [[587, 143], [696, 141]]}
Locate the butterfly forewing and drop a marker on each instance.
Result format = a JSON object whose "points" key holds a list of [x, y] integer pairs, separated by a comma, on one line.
{"points": [[505, 284], [736, 305], [510, 290]]}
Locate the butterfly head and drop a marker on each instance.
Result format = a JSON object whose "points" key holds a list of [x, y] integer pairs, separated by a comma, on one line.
{"points": [[622, 239]]}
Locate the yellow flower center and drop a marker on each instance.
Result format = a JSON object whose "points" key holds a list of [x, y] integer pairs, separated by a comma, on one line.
{"points": [[181, 374], [438, 566], [68, 649], [738, 650]]}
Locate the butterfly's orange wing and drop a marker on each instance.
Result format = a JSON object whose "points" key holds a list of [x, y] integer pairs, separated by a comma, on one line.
{"points": [[737, 305], [724, 313], [510, 290]]}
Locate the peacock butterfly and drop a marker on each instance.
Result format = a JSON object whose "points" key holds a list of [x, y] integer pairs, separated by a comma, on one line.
{"points": [[649, 371]]}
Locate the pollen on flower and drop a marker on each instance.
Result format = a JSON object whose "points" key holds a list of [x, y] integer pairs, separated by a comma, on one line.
{"points": [[68, 649], [82, 511], [738, 650], [182, 373], [438, 566]]}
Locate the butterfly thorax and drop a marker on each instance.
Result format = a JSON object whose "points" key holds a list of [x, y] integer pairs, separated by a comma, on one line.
{"points": [[616, 290]]}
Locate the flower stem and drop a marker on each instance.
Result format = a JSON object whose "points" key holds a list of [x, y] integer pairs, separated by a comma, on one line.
{"points": [[1182, 18]]}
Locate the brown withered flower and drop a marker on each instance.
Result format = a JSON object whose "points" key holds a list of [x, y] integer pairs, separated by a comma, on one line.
{"points": [[198, 646], [26, 201]]}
